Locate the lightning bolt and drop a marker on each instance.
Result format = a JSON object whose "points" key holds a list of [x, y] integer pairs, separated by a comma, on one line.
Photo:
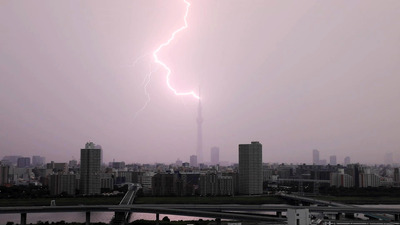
{"points": [[158, 61], [146, 82], [148, 76]]}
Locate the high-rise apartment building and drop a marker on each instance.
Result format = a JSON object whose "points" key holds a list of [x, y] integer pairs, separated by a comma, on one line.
{"points": [[315, 156], [250, 168], [214, 156], [4, 177], [59, 183], [193, 161], [332, 160], [90, 169]]}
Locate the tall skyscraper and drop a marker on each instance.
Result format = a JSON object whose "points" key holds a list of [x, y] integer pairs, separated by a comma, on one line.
{"points": [[250, 168], [91, 157], [193, 161], [199, 150], [332, 160], [315, 156], [214, 156], [347, 161]]}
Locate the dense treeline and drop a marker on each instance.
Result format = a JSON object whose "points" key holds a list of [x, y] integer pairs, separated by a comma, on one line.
{"points": [[24, 191], [32, 191]]}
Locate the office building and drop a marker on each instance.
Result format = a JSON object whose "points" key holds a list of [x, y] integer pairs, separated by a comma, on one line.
{"points": [[118, 165], [347, 161], [332, 160], [13, 159], [250, 168], [90, 169], [57, 167], [214, 156], [315, 155], [38, 160], [193, 161], [24, 162]]}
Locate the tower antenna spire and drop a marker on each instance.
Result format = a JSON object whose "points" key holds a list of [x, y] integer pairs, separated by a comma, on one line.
{"points": [[199, 150]]}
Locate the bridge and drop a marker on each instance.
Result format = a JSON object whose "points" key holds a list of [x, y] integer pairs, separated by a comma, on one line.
{"points": [[222, 211], [120, 218]]}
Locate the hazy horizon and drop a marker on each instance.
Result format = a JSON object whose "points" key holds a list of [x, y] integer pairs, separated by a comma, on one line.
{"points": [[294, 75]]}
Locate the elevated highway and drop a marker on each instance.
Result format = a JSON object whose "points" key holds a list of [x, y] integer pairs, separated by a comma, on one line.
{"points": [[222, 211]]}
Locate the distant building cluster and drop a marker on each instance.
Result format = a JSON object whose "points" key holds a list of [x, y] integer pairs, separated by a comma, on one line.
{"points": [[90, 176], [332, 159]]}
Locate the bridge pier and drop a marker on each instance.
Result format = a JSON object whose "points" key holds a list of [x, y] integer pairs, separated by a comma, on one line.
{"points": [[279, 214], [396, 217], [23, 218], [157, 218], [88, 218]]}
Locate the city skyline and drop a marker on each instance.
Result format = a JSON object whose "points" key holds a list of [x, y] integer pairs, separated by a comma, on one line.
{"points": [[295, 76], [386, 159]]}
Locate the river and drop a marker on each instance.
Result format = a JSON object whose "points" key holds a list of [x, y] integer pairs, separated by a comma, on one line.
{"points": [[81, 217]]}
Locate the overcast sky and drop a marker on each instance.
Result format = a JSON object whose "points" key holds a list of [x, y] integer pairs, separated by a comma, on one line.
{"points": [[294, 75]]}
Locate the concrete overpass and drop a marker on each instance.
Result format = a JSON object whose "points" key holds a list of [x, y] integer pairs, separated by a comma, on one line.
{"points": [[222, 211], [121, 218]]}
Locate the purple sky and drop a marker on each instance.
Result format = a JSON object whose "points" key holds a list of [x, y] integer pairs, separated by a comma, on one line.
{"points": [[294, 75]]}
